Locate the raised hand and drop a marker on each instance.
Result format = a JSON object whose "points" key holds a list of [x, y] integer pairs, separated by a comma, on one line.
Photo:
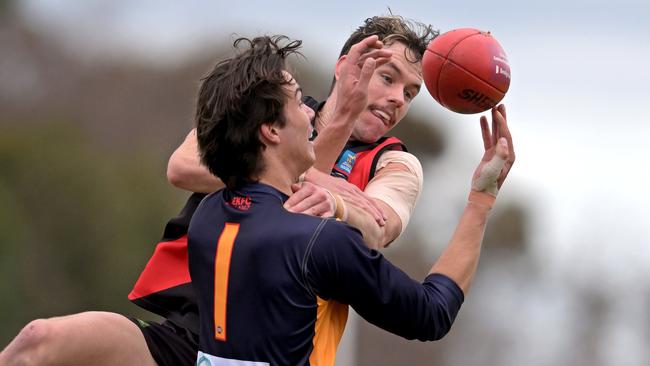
{"points": [[499, 155], [354, 71]]}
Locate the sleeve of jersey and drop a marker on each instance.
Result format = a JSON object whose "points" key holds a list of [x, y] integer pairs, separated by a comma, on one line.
{"points": [[340, 267], [399, 189]]}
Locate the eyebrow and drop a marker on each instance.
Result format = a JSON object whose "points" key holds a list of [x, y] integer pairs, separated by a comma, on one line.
{"points": [[415, 86]]}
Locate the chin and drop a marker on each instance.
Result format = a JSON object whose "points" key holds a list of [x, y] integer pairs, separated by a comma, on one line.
{"points": [[369, 137]]}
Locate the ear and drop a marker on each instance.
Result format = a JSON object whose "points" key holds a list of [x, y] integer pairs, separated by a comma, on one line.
{"points": [[269, 133], [337, 68]]}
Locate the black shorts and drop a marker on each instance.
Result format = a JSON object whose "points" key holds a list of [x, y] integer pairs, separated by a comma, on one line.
{"points": [[169, 344]]}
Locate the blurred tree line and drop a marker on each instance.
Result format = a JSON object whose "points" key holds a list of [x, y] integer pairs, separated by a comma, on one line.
{"points": [[83, 192], [78, 222]]}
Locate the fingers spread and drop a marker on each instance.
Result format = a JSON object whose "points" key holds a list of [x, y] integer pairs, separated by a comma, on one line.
{"points": [[495, 127], [369, 42], [502, 148], [485, 133], [504, 131], [502, 110], [366, 73], [380, 54]]}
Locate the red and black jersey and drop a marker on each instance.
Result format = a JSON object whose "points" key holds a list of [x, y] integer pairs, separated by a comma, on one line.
{"points": [[260, 272], [164, 286], [357, 162]]}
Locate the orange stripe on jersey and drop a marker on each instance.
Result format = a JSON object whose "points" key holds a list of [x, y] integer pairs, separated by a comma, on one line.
{"points": [[221, 271], [331, 317]]}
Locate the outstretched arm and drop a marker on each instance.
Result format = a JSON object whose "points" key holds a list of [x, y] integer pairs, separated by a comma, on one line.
{"points": [[340, 268], [460, 260]]}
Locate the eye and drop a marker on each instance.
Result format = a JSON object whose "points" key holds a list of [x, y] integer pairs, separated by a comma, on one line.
{"points": [[411, 92], [387, 78]]}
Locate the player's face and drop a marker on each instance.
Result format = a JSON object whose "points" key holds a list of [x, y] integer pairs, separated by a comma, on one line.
{"points": [[297, 130], [390, 92]]}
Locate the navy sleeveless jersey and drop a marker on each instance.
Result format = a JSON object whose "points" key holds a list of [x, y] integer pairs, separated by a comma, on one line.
{"points": [[259, 272]]}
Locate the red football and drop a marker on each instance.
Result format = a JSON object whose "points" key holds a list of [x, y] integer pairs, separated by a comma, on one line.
{"points": [[466, 70]]}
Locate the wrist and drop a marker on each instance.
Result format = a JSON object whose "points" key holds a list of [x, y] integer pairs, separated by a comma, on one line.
{"points": [[341, 211], [344, 117], [482, 198]]}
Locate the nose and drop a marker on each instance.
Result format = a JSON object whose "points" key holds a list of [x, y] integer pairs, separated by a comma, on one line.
{"points": [[396, 96]]}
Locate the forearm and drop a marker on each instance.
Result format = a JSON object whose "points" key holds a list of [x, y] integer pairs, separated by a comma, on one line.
{"points": [[373, 234], [331, 140], [460, 260]]}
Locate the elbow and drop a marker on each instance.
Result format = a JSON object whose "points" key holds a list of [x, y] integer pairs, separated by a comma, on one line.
{"points": [[174, 176], [442, 330], [436, 331], [443, 319], [179, 174], [428, 330]]}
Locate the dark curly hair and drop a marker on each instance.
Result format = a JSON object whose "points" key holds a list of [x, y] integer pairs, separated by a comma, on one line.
{"points": [[235, 99], [394, 28]]}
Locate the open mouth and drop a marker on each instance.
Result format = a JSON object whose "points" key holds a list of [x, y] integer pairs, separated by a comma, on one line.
{"points": [[382, 115]]}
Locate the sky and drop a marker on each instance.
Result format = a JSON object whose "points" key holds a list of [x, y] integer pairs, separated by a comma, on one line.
{"points": [[576, 104]]}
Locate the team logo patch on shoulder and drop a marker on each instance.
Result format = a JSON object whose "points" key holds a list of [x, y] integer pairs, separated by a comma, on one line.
{"points": [[241, 203], [346, 162]]}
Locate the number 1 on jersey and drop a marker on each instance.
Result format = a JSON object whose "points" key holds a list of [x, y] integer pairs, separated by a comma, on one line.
{"points": [[221, 271]]}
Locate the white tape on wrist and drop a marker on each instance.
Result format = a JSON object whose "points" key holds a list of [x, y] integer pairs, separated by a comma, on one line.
{"points": [[487, 179]]}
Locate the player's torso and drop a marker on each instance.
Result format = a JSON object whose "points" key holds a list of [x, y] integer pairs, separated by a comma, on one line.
{"points": [[164, 287], [246, 257]]}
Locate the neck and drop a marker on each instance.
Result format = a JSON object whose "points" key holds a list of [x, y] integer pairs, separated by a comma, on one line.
{"points": [[279, 175], [281, 185]]}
